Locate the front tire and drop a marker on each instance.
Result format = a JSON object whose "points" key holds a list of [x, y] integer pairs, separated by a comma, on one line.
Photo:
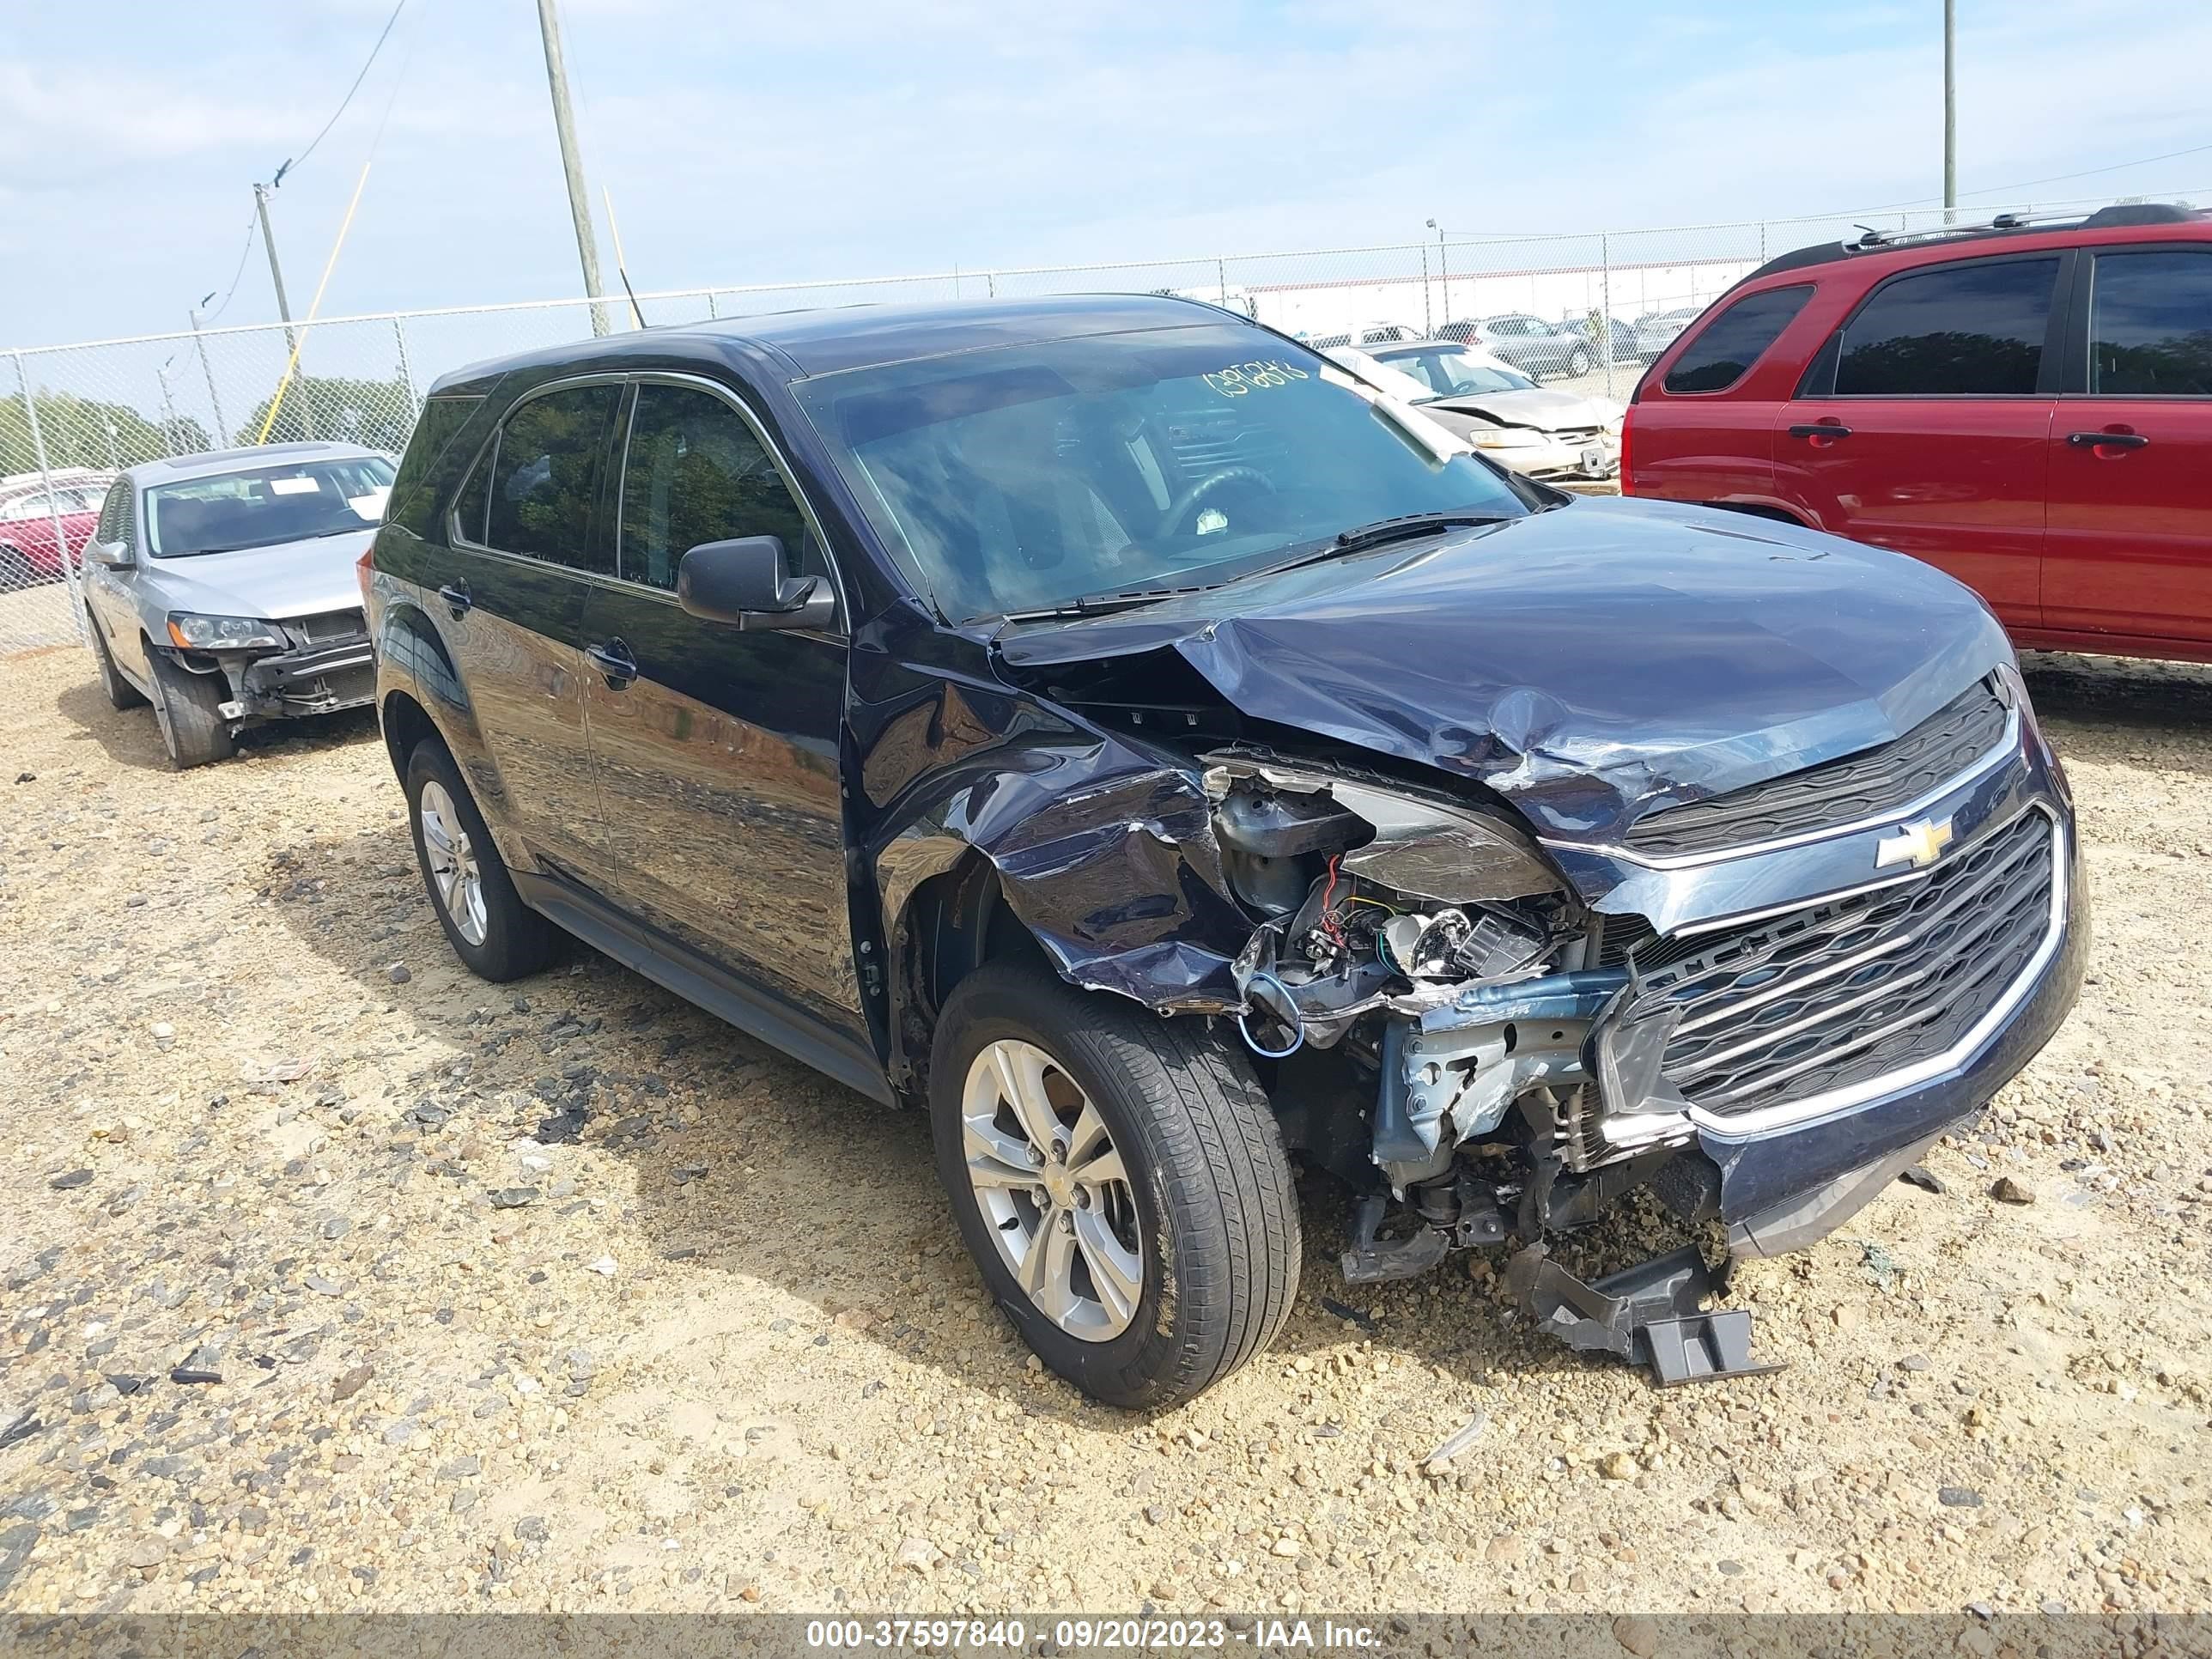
{"points": [[496, 936], [1120, 1181], [121, 693], [188, 707], [1579, 363]]}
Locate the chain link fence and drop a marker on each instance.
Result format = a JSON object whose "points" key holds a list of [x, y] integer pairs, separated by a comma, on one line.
{"points": [[1605, 302]]}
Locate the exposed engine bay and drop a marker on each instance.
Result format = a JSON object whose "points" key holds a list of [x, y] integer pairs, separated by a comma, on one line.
{"points": [[1426, 993]]}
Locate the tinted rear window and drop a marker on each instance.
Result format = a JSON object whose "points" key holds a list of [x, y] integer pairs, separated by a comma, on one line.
{"points": [[545, 475], [1973, 330], [2150, 324], [1727, 347]]}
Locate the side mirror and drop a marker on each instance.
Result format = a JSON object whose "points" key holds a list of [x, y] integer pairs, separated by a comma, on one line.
{"points": [[748, 583], [116, 555]]}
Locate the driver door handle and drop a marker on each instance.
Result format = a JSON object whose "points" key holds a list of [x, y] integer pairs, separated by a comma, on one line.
{"points": [[456, 596], [615, 663], [2106, 439], [1820, 430]]}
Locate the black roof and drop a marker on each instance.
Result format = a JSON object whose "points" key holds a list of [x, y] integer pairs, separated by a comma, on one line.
{"points": [[828, 340], [2005, 224]]}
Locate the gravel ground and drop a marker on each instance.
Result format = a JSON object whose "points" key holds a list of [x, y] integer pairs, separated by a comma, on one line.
{"points": [[336, 1278]]}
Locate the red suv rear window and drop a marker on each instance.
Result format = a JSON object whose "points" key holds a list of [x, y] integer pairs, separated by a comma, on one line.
{"points": [[1723, 350]]}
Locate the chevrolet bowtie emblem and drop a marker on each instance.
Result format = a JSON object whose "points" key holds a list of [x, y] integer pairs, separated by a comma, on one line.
{"points": [[1917, 844]]}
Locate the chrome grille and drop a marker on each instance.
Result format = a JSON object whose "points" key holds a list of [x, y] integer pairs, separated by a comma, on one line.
{"points": [[1866, 784], [1838, 994]]}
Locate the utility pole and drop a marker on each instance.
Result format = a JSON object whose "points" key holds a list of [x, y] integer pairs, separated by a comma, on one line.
{"points": [[169, 405], [1444, 267], [221, 431], [283, 305], [1950, 114], [572, 159]]}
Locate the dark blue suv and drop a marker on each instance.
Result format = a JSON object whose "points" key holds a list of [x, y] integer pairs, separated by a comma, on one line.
{"points": [[1121, 732]]}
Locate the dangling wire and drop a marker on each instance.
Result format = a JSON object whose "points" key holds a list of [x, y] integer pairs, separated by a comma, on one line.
{"points": [[1297, 1026]]}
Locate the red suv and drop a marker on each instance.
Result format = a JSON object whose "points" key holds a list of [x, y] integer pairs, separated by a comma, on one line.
{"points": [[2027, 406]]}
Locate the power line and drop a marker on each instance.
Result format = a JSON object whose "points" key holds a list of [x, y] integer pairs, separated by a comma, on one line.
{"points": [[250, 224], [2117, 167], [348, 98], [2024, 183]]}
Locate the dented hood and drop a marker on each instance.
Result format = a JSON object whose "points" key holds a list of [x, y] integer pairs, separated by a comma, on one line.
{"points": [[1590, 663]]}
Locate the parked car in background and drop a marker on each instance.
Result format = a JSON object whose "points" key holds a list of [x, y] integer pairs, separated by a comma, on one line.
{"points": [[1057, 714], [222, 588], [1529, 343], [1658, 330], [1538, 431], [2026, 405], [1366, 334], [29, 503], [1613, 338]]}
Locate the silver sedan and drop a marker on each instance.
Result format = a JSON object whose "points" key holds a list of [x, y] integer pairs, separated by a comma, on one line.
{"points": [[222, 588]]}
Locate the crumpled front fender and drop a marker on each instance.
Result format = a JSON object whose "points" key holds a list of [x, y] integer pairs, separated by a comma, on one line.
{"points": [[1104, 848]]}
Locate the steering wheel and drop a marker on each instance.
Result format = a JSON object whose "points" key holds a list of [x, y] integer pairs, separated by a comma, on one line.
{"points": [[1179, 508]]}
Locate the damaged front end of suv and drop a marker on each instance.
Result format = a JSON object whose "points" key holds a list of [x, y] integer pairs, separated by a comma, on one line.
{"points": [[1497, 973]]}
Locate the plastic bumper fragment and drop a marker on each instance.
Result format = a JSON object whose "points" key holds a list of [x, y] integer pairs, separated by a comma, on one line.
{"points": [[1647, 1315]]}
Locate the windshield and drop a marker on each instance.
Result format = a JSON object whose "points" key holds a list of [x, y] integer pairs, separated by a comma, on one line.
{"points": [[1023, 478], [261, 506], [1453, 372]]}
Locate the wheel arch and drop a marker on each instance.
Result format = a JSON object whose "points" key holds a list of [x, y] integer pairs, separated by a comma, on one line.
{"points": [[948, 925]]}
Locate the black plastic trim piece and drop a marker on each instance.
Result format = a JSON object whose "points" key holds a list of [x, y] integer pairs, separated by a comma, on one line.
{"points": [[646, 949]]}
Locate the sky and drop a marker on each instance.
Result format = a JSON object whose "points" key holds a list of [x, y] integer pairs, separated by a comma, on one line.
{"points": [[745, 142]]}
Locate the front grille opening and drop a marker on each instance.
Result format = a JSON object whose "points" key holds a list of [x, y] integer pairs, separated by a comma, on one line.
{"points": [[1861, 785], [325, 626], [1841, 993]]}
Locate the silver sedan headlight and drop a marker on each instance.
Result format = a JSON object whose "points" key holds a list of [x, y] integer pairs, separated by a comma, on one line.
{"points": [[197, 633]]}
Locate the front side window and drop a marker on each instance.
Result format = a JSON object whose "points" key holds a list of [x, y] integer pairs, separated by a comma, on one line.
{"points": [[544, 474], [263, 506], [1971, 330], [2150, 323], [1026, 477], [697, 473], [24, 507], [1727, 347]]}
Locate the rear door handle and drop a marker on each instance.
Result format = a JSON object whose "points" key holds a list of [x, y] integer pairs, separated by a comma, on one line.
{"points": [[615, 663], [456, 596], [1820, 430], [2106, 439]]}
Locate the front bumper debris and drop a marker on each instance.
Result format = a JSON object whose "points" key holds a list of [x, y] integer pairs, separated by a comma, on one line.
{"points": [[319, 680], [1649, 1314]]}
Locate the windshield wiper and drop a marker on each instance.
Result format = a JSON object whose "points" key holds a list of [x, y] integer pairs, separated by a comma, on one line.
{"points": [[1357, 539], [1100, 604], [1406, 527]]}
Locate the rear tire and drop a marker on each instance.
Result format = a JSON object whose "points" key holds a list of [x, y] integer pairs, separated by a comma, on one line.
{"points": [[186, 707], [1579, 364], [121, 693], [1200, 1195], [496, 936]]}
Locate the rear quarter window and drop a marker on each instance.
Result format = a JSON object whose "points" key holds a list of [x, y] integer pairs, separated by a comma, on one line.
{"points": [[1723, 350], [427, 470]]}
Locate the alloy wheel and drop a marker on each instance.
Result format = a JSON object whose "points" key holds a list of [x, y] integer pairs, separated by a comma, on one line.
{"points": [[1052, 1188], [455, 873]]}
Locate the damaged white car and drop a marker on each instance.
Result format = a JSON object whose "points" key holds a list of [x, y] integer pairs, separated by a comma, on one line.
{"points": [[1537, 431]]}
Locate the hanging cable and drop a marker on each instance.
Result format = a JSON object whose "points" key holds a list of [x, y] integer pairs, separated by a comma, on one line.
{"points": [[252, 226], [348, 98]]}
